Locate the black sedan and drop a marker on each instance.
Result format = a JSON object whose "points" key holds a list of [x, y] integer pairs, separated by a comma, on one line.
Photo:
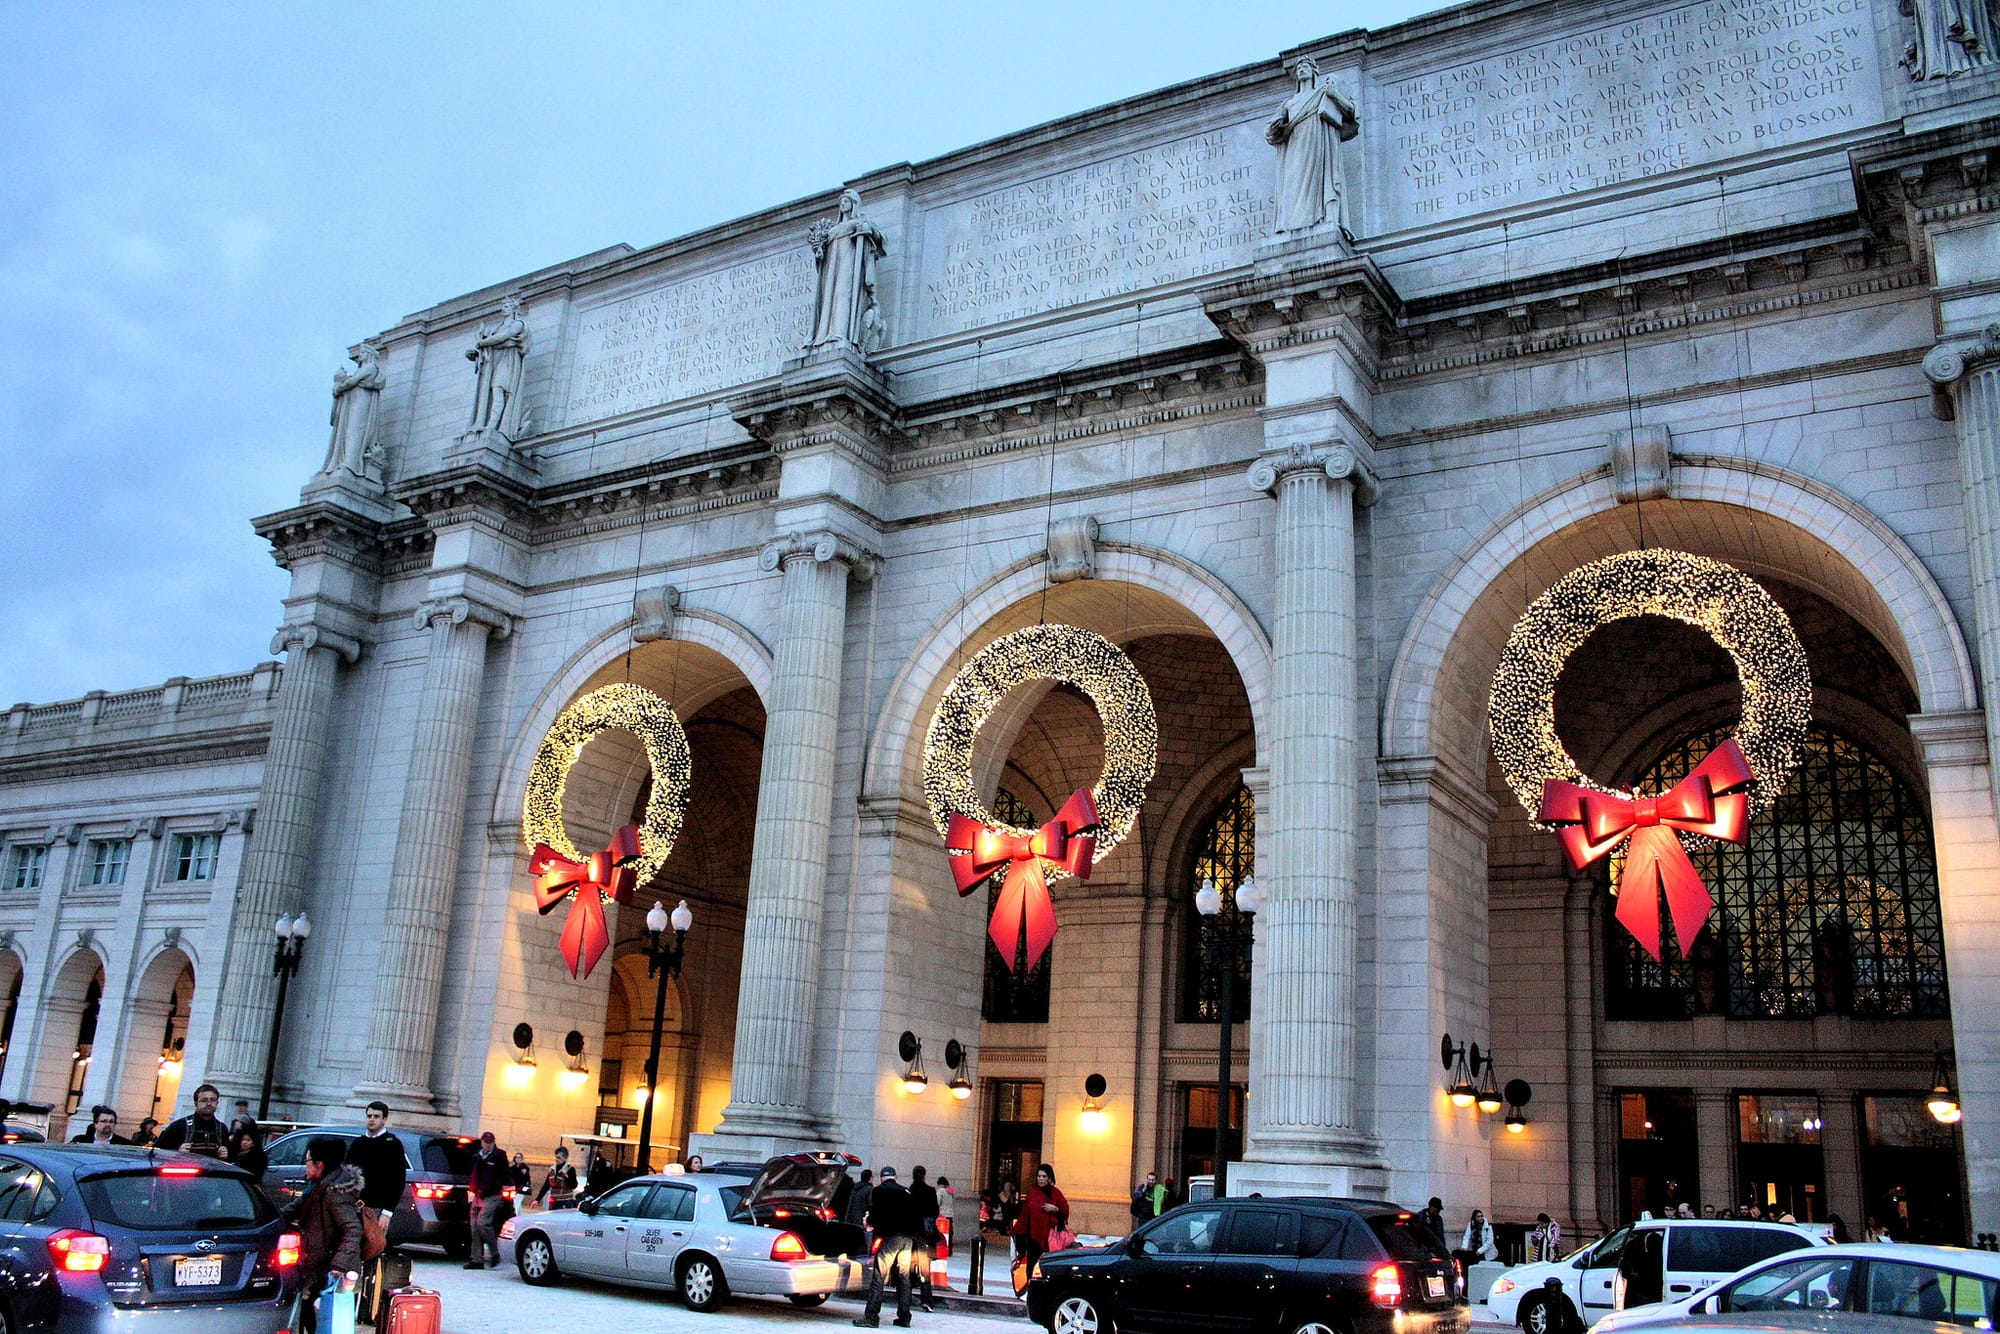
{"points": [[105, 1238], [1297, 1266]]}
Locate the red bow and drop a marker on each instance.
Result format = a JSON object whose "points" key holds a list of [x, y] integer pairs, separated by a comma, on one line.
{"points": [[979, 850], [608, 874], [1712, 800]]}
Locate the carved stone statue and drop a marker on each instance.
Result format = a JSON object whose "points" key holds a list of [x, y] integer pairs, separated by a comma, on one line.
{"points": [[845, 251], [357, 398], [500, 350], [1308, 131], [1953, 36]]}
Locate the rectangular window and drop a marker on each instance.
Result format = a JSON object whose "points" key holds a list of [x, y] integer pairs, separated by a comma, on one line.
{"points": [[194, 856], [24, 867], [108, 858]]}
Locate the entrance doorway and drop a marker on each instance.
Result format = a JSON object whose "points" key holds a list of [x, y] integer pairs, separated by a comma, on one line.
{"points": [[1014, 1135], [1658, 1159], [1198, 1130], [1910, 1171], [1778, 1156]]}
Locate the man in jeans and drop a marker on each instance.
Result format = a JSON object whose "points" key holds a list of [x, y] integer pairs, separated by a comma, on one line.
{"points": [[492, 1173], [894, 1219]]}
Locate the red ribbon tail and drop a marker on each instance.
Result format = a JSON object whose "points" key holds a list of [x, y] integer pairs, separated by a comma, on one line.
{"points": [[1688, 899], [1639, 899], [1023, 905], [583, 935], [1657, 863]]}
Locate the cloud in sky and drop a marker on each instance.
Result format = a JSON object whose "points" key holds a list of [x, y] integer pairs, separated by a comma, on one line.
{"points": [[207, 205]]}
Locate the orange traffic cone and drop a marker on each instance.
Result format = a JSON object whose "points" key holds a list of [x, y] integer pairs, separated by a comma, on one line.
{"points": [[939, 1254]]}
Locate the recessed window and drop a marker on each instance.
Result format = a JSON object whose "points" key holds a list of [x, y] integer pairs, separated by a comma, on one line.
{"points": [[108, 859], [24, 867], [194, 856]]}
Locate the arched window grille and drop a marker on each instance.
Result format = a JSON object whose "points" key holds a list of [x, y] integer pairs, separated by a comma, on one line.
{"points": [[1225, 851], [1831, 908], [1009, 997]]}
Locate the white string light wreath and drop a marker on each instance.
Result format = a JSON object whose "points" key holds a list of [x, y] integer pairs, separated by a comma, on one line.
{"points": [[641, 712]]}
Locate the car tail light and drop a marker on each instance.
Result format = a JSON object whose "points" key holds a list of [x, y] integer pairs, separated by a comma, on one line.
{"points": [[79, 1252], [289, 1244], [432, 1192], [507, 1192], [180, 1171], [788, 1246], [1385, 1285]]}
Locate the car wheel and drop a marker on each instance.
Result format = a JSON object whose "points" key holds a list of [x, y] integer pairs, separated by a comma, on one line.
{"points": [[702, 1285], [1317, 1327], [810, 1298], [536, 1260], [1079, 1315], [1534, 1316]]}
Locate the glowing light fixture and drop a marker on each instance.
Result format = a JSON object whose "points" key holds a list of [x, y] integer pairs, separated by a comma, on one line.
{"points": [[576, 1071], [911, 1049], [1517, 1092], [958, 1059], [1093, 1119], [1943, 1102]]}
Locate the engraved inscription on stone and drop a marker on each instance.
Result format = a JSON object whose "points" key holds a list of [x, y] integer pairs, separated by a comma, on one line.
{"points": [[1686, 86], [704, 333], [1155, 216]]}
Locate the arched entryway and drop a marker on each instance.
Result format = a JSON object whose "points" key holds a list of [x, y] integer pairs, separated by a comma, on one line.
{"points": [[156, 1039], [71, 1003]]}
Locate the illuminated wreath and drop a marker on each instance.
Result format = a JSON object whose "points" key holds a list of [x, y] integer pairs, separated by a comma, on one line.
{"points": [[1082, 658], [1742, 776], [652, 719]]}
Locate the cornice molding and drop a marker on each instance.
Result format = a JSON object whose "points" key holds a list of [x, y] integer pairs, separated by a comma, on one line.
{"points": [[470, 494], [1346, 300], [318, 530]]}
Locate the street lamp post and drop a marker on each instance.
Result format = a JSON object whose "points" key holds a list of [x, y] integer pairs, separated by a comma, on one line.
{"points": [[292, 933], [664, 962], [1227, 943]]}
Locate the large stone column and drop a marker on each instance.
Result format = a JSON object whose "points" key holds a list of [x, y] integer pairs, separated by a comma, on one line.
{"points": [[275, 862], [1304, 1111], [402, 1025], [781, 934], [1965, 376]]}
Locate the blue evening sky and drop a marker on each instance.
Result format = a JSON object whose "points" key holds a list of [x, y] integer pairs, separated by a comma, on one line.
{"points": [[203, 206]]}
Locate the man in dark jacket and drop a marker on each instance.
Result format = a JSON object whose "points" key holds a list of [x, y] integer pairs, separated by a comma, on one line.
{"points": [[103, 1128], [329, 1220], [1149, 1201], [384, 1166], [492, 1174], [924, 1199], [857, 1200], [897, 1226], [203, 1131]]}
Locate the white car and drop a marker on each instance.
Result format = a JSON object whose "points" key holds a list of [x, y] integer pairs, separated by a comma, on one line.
{"points": [[1935, 1283], [1674, 1256], [706, 1235]]}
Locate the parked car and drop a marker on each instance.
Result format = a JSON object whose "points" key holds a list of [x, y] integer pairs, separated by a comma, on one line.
{"points": [[1670, 1257], [707, 1235], [1932, 1283], [1805, 1322], [102, 1238], [433, 1209], [1299, 1266]]}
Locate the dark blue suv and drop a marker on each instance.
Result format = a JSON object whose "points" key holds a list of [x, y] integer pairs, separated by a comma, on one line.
{"points": [[102, 1238]]}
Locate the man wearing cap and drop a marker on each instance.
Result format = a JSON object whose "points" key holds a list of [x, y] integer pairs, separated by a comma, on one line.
{"points": [[492, 1173], [893, 1216]]}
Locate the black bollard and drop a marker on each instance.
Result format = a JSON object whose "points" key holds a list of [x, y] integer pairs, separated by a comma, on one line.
{"points": [[975, 1283]]}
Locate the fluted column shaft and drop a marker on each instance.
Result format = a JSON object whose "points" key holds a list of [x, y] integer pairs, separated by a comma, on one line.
{"points": [[402, 1025], [1304, 1020], [276, 860], [774, 1013], [1978, 410]]}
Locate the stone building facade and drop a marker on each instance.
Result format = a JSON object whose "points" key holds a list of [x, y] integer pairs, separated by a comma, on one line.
{"points": [[1303, 423]]}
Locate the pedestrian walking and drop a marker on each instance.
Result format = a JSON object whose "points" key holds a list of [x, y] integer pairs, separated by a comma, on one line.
{"points": [[200, 1131], [103, 1128], [491, 1175], [1044, 1209], [240, 1119], [559, 1186], [1010, 1205], [1545, 1243], [924, 1199], [328, 1219], [523, 1182], [1149, 1198], [148, 1131], [384, 1165], [246, 1150], [893, 1216]]}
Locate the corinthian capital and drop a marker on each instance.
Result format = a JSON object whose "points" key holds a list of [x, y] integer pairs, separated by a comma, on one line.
{"points": [[1340, 462], [297, 636], [459, 610], [822, 547], [1947, 363]]}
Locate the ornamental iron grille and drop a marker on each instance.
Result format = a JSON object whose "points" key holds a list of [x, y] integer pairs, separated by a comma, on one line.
{"points": [[1830, 908], [1010, 997], [1225, 852]]}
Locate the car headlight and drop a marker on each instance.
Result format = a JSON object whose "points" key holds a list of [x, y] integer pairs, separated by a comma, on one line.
{"points": [[1502, 1286]]}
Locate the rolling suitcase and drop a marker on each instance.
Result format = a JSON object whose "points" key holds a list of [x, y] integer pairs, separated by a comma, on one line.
{"points": [[412, 1311], [380, 1277]]}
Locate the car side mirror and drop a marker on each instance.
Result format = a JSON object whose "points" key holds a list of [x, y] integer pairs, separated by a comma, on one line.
{"points": [[1135, 1246], [587, 1207]]}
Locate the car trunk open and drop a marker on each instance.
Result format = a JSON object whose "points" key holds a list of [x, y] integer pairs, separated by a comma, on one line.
{"points": [[794, 1192]]}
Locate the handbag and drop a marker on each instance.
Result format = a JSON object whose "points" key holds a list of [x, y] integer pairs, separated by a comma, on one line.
{"points": [[1020, 1275], [374, 1237], [1061, 1238]]}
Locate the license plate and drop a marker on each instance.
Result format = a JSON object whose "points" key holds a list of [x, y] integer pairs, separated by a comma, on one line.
{"points": [[198, 1272], [1434, 1285]]}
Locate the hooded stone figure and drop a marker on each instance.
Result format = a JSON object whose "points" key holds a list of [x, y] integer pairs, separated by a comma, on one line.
{"points": [[1308, 131], [844, 309]]}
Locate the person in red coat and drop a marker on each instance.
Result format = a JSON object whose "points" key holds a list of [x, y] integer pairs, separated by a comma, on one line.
{"points": [[1043, 1209]]}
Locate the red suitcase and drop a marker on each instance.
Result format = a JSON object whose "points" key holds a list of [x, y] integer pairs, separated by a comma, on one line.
{"points": [[412, 1311]]}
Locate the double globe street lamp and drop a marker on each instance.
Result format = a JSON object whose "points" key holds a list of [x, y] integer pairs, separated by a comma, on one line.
{"points": [[664, 962], [292, 933], [1228, 947]]}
